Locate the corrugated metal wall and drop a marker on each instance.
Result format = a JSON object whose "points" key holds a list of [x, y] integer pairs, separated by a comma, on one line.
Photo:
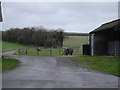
{"points": [[113, 48], [117, 48], [106, 43], [100, 43]]}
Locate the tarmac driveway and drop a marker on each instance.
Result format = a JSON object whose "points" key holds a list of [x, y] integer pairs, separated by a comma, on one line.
{"points": [[54, 72]]}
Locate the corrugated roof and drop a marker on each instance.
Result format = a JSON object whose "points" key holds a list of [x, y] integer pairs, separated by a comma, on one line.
{"points": [[112, 24], [0, 13]]}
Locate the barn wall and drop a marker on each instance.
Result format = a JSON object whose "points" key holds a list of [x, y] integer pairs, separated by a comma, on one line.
{"points": [[100, 43], [105, 43], [113, 48], [114, 43], [117, 48], [106, 40], [117, 38]]}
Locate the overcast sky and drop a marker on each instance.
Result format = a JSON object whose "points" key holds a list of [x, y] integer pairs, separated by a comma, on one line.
{"points": [[72, 17]]}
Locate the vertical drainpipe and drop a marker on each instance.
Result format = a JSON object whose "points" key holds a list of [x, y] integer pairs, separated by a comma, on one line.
{"points": [[92, 44]]}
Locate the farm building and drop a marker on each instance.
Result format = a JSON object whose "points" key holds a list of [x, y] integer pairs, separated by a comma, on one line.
{"points": [[105, 40]]}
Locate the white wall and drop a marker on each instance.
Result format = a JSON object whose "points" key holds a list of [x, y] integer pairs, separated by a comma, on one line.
{"points": [[92, 44]]}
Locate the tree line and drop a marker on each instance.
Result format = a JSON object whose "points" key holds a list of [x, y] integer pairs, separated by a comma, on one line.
{"points": [[37, 36]]}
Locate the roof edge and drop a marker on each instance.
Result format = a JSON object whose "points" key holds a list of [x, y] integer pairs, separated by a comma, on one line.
{"points": [[106, 25]]}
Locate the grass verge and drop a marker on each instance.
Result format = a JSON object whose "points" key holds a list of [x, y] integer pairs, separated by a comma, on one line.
{"points": [[8, 63], [103, 64], [8, 46]]}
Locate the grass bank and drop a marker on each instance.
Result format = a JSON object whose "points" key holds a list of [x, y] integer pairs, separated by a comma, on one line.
{"points": [[103, 64], [8, 46], [8, 63]]}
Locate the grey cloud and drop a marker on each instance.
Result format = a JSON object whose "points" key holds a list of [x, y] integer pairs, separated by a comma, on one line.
{"points": [[72, 17]]}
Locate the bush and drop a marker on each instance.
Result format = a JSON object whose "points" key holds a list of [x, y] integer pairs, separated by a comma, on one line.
{"points": [[37, 36]]}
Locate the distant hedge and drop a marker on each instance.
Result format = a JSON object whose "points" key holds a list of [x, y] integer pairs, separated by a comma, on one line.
{"points": [[76, 34], [38, 36]]}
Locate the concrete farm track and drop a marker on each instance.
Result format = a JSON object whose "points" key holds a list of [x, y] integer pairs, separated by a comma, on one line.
{"points": [[53, 72]]}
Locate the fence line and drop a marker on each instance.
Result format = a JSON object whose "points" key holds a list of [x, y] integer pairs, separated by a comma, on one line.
{"points": [[50, 51]]}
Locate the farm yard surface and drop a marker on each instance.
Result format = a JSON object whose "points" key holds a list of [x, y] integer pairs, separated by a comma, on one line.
{"points": [[36, 57], [54, 72]]}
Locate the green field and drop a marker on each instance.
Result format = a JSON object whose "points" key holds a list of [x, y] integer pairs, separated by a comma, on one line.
{"points": [[7, 46], [74, 42], [7, 63], [99, 63]]}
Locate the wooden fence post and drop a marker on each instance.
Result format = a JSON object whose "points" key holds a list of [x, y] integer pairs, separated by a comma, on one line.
{"points": [[37, 52], [26, 51], [18, 51], [59, 52], [77, 49], [50, 52]]}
